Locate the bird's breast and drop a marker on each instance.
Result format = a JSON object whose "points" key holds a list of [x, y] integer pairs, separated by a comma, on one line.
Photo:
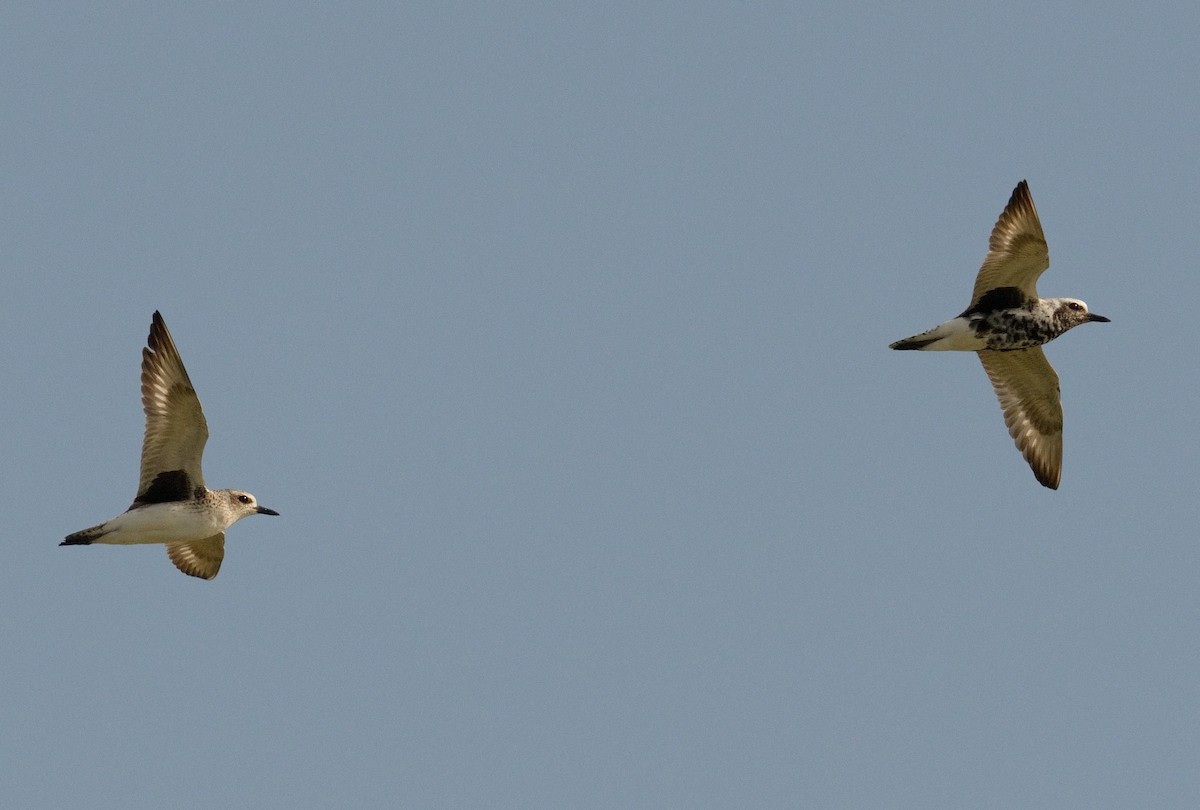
{"points": [[1011, 329]]}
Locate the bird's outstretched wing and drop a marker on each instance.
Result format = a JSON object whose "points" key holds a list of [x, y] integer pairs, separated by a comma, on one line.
{"points": [[175, 427], [199, 558], [1027, 388], [1017, 252]]}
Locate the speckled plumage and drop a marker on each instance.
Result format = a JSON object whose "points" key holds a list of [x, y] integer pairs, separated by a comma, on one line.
{"points": [[173, 506], [1030, 324], [1006, 324]]}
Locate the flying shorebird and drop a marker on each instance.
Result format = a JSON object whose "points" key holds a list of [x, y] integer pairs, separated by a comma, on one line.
{"points": [[172, 505], [1006, 324]]}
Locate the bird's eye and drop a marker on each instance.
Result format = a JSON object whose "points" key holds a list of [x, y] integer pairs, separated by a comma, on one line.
{"points": [[244, 498], [1075, 306]]}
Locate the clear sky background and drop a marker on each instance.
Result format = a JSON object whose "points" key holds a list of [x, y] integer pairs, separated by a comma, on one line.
{"points": [[557, 334]]}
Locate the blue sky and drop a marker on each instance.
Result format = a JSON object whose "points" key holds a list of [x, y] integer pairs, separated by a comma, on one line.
{"points": [[557, 334]]}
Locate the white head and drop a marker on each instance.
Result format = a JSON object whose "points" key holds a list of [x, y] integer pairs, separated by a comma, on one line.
{"points": [[244, 504]]}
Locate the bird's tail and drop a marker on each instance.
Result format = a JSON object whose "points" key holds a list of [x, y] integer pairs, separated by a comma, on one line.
{"points": [[953, 335], [916, 342], [85, 537]]}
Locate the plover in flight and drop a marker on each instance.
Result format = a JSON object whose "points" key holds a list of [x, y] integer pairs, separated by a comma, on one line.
{"points": [[1006, 324], [172, 505]]}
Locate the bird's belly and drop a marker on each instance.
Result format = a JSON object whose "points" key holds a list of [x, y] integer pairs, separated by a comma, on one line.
{"points": [[1009, 331], [162, 523]]}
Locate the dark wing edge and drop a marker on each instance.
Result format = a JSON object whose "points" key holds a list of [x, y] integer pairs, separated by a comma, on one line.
{"points": [[176, 430], [1027, 387], [1017, 251]]}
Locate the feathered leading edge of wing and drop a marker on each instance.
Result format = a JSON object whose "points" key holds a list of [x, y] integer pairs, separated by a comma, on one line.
{"points": [[1027, 388], [176, 430], [1017, 252]]}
